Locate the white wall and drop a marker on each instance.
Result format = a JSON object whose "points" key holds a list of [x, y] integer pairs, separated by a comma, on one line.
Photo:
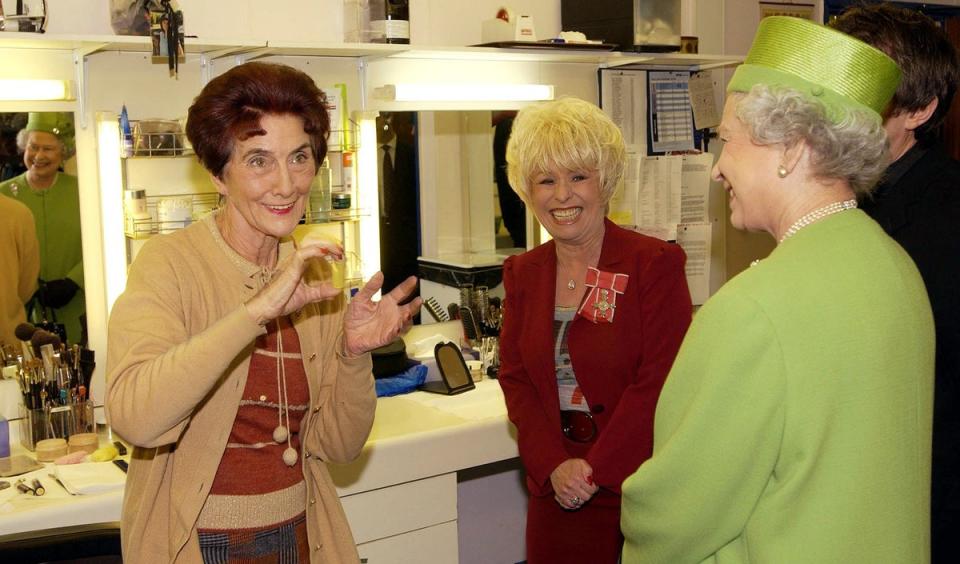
{"points": [[432, 22], [457, 22]]}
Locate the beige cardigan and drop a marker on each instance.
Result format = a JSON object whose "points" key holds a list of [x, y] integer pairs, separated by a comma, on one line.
{"points": [[179, 347]]}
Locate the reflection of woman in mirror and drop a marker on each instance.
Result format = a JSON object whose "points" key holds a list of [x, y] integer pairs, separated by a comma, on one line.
{"points": [[54, 199]]}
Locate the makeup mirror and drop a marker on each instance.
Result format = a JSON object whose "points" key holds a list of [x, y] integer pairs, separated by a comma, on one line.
{"points": [[454, 374], [458, 184], [40, 170]]}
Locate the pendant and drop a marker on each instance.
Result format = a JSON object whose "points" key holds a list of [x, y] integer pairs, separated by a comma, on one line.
{"points": [[290, 456], [280, 434], [571, 284]]}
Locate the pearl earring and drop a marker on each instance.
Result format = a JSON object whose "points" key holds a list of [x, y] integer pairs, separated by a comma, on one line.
{"points": [[782, 171]]}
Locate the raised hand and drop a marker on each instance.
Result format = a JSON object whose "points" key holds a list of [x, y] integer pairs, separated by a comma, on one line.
{"points": [[287, 291], [572, 483], [369, 324]]}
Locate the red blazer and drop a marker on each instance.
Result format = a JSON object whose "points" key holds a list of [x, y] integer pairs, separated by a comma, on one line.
{"points": [[620, 366]]}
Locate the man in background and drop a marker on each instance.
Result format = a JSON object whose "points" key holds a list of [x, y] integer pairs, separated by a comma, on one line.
{"points": [[918, 204], [20, 257], [512, 209], [399, 204], [54, 199]]}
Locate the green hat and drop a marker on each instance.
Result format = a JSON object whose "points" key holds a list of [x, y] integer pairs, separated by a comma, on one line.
{"points": [[57, 123], [841, 72]]}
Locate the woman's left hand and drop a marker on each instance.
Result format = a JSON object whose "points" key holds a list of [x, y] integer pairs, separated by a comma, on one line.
{"points": [[369, 324], [572, 483]]}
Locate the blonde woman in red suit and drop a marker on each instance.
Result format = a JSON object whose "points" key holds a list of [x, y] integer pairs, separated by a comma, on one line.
{"points": [[593, 320]]}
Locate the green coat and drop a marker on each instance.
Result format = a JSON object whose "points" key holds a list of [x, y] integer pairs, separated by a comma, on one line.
{"points": [[57, 215], [795, 425]]}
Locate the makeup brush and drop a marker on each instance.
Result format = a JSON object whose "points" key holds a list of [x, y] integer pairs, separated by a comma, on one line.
{"points": [[41, 337], [24, 332]]}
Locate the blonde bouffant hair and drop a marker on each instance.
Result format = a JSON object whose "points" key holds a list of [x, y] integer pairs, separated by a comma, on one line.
{"points": [[569, 133]]}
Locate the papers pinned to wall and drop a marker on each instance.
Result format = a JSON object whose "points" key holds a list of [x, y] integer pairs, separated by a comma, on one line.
{"points": [[695, 188], [670, 113], [696, 239], [660, 193], [705, 114], [666, 196], [623, 98], [658, 197]]}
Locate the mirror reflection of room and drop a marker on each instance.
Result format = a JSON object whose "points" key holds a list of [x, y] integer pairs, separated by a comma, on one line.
{"points": [[41, 174], [399, 202], [510, 226]]}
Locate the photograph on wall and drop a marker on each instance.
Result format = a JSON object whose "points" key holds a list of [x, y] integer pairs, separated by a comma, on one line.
{"points": [[162, 36], [23, 15], [804, 11]]}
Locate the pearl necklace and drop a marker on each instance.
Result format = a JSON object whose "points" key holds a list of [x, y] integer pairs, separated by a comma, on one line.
{"points": [[816, 215], [282, 432]]}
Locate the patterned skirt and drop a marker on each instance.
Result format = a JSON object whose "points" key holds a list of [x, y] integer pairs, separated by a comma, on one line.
{"points": [[285, 543]]}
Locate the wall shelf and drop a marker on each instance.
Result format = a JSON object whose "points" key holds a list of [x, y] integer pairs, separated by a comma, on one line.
{"points": [[223, 47]]}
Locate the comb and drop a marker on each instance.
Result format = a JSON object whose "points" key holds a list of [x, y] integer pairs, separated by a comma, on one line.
{"points": [[435, 311]]}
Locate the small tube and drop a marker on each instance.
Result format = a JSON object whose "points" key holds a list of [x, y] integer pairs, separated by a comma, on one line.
{"points": [[338, 274]]}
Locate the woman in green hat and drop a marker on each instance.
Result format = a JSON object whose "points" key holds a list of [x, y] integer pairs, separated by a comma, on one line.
{"points": [[795, 424], [54, 198]]}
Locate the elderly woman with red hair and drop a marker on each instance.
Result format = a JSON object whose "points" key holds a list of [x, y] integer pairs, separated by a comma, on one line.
{"points": [[234, 377]]}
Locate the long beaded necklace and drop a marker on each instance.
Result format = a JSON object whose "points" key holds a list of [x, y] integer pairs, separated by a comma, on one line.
{"points": [[282, 432], [816, 215]]}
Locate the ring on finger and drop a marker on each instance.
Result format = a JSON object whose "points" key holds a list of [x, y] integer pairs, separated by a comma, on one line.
{"points": [[575, 500]]}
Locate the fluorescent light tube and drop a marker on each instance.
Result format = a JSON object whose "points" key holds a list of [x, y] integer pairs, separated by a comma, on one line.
{"points": [[14, 89]]}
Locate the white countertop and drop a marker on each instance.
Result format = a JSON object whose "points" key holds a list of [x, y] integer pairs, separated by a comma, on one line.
{"points": [[414, 436], [466, 260], [56, 508], [422, 434]]}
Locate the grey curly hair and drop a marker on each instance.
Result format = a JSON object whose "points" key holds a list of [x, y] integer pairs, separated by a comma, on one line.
{"points": [[853, 149]]}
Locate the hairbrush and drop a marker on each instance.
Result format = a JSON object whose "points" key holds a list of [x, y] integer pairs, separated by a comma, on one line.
{"points": [[471, 329]]}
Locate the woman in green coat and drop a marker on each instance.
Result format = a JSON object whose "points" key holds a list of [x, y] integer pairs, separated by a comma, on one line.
{"points": [[795, 424]]}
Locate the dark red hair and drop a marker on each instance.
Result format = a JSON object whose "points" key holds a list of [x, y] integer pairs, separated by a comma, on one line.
{"points": [[230, 106]]}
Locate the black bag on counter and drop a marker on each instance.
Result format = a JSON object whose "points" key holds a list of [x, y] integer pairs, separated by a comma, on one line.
{"points": [[390, 359]]}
